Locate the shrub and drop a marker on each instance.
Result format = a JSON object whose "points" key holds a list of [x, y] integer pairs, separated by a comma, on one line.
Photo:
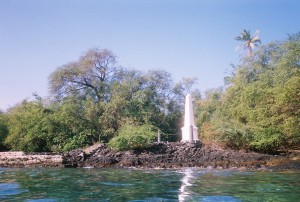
{"points": [[132, 137], [267, 140], [3, 132], [233, 134]]}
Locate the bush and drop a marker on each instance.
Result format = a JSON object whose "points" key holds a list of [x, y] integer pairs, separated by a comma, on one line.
{"points": [[239, 136], [77, 141], [267, 140], [3, 132], [233, 134], [28, 125], [132, 137]]}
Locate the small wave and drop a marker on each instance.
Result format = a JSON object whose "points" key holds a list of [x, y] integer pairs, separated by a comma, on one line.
{"points": [[155, 199], [115, 184], [89, 167], [219, 199], [43, 200]]}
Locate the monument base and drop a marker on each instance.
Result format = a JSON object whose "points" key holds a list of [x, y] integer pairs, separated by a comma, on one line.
{"points": [[189, 134]]}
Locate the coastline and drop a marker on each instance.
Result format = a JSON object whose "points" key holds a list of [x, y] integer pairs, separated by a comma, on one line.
{"points": [[30, 160], [158, 155]]}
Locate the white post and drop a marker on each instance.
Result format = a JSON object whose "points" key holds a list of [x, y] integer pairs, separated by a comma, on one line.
{"points": [[189, 130], [158, 136]]}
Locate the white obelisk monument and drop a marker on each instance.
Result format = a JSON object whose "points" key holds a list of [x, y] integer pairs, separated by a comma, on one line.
{"points": [[189, 130]]}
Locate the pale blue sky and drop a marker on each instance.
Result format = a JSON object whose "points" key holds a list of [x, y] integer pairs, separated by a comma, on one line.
{"points": [[188, 38]]}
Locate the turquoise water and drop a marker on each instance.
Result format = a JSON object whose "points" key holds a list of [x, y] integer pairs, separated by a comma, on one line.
{"points": [[59, 184]]}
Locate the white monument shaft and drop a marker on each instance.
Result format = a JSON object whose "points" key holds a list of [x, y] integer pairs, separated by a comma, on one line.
{"points": [[189, 130]]}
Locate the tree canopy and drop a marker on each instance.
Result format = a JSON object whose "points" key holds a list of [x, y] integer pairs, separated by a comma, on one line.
{"points": [[91, 99], [87, 76], [95, 100], [260, 107]]}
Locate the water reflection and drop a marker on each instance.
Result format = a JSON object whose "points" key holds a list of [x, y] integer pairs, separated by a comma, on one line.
{"points": [[193, 180], [186, 182]]}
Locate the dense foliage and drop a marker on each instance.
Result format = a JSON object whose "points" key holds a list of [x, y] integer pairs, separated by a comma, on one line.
{"points": [[133, 137], [93, 100], [3, 131], [28, 127], [260, 108]]}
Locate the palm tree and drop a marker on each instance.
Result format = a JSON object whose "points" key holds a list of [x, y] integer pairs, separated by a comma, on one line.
{"points": [[248, 42]]}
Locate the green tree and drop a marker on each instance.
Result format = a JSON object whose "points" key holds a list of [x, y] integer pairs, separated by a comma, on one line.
{"points": [[186, 85], [263, 95], [28, 126], [3, 130], [104, 97], [248, 42], [71, 125], [57, 127], [89, 75], [205, 110], [259, 108], [146, 99], [91, 101]]}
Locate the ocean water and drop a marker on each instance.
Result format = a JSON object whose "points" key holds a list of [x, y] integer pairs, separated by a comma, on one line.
{"points": [[139, 185]]}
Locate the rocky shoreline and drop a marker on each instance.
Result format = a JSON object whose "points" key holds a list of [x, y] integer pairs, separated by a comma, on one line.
{"points": [[158, 155], [24, 160]]}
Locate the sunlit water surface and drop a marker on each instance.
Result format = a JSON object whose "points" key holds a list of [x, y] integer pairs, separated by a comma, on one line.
{"points": [[137, 185]]}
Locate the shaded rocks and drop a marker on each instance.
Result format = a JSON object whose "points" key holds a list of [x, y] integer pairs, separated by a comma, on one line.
{"points": [[73, 158], [170, 155], [158, 155]]}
